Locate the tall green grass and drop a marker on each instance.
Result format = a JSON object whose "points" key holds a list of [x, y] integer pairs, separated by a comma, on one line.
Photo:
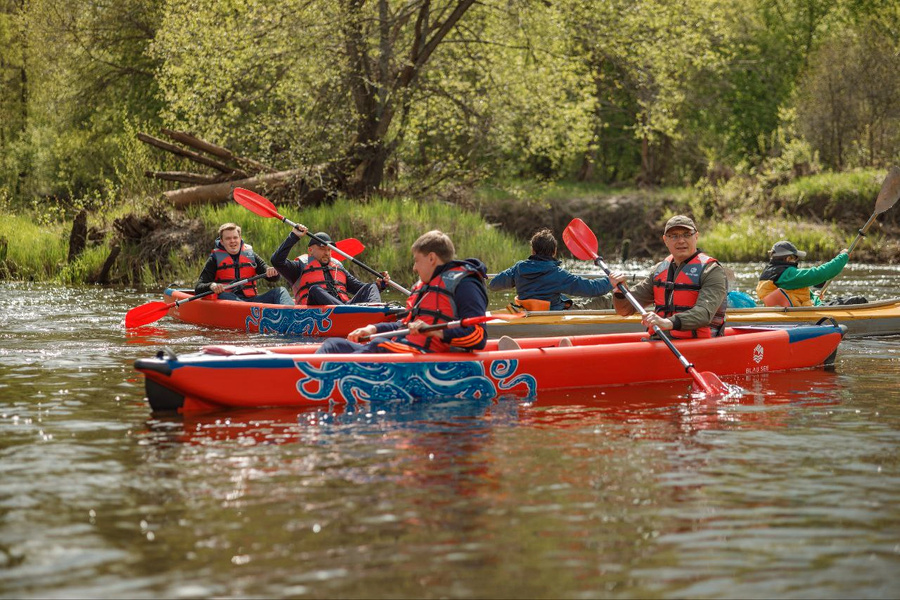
{"points": [[387, 227], [749, 239], [32, 251], [852, 187]]}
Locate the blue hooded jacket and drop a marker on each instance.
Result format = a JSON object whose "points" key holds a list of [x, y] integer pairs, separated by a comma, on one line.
{"points": [[541, 278]]}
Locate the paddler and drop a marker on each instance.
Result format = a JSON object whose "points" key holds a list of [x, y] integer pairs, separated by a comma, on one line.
{"points": [[317, 279], [542, 284], [232, 260], [687, 289], [448, 290], [784, 283]]}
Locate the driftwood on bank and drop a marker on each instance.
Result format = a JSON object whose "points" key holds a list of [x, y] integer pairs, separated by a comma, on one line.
{"points": [[232, 170], [307, 184], [221, 192]]}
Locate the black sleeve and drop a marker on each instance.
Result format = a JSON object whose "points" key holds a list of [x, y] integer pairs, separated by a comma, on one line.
{"points": [[207, 276], [288, 268]]}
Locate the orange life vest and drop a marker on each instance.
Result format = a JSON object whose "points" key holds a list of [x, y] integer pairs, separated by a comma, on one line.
{"points": [[679, 295], [434, 303], [227, 271], [314, 276]]}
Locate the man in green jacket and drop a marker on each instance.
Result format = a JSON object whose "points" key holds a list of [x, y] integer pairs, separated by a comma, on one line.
{"points": [[783, 283]]}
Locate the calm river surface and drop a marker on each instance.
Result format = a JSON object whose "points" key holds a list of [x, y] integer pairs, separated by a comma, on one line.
{"points": [[791, 491]]}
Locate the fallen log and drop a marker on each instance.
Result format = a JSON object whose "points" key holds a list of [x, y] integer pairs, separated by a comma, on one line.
{"points": [[216, 150], [187, 177], [194, 156], [221, 192]]}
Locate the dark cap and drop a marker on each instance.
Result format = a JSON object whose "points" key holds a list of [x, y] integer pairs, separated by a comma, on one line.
{"points": [[785, 248], [680, 221], [322, 236]]}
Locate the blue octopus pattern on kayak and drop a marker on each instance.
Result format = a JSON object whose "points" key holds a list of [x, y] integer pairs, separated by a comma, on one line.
{"points": [[357, 381], [294, 321]]}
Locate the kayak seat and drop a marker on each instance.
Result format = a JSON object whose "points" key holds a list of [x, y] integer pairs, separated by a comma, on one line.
{"points": [[565, 342], [507, 343], [777, 298], [517, 305]]}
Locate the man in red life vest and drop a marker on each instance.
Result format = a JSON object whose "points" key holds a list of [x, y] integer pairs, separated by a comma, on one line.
{"points": [[448, 290], [688, 289], [232, 260], [317, 279]]}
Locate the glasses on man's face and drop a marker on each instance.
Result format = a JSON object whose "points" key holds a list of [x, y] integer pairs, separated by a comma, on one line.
{"points": [[674, 237]]}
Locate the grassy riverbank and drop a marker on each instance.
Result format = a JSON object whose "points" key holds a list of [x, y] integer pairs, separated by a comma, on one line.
{"points": [[739, 221], [35, 251]]}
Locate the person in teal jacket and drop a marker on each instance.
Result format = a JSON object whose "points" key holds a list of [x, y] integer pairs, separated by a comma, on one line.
{"points": [[541, 283], [784, 283]]}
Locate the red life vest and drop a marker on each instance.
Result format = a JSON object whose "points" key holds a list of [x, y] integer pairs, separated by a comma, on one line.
{"points": [[314, 276], [434, 303], [682, 293], [227, 271]]}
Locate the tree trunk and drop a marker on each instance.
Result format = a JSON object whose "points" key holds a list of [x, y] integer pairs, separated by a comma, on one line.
{"points": [[78, 237]]}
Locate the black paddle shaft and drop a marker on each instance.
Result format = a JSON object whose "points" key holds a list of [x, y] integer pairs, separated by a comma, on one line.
{"points": [[688, 367], [361, 265], [230, 286]]}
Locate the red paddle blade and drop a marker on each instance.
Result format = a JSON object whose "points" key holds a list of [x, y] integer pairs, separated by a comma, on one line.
{"points": [[255, 203], [580, 240], [146, 313], [710, 384], [351, 246]]}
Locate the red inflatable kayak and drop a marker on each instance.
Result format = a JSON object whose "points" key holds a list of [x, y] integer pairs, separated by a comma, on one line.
{"points": [[252, 317], [229, 376]]}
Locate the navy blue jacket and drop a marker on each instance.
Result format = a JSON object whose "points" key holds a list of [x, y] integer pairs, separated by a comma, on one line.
{"points": [[541, 278]]}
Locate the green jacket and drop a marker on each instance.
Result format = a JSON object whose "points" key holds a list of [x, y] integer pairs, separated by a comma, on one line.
{"points": [[794, 278]]}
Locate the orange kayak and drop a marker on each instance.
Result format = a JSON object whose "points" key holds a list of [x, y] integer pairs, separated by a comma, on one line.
{"points": [[249, 377], [252, 317]]}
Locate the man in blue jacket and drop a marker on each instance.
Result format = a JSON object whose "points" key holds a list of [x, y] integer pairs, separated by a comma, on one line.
{"points": [[541, 284]]}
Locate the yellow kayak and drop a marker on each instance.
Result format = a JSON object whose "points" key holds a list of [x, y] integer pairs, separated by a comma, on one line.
{"points": [[875, 318]]}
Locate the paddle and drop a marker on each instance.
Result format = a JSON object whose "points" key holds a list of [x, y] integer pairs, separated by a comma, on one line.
{"points": [[887, 197], [264, 208], [582, 242], [467, 322], [154, 311]]}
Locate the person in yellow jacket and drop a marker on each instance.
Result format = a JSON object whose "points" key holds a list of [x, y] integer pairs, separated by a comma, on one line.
{"points": [[783, 283]]}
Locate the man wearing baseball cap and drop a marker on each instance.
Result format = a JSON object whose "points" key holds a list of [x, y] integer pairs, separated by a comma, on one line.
{"points": [[687, 289], [316, 278], [783, 283]]}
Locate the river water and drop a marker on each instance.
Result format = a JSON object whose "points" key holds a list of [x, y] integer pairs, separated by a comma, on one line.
{"points": [[790, 491]]}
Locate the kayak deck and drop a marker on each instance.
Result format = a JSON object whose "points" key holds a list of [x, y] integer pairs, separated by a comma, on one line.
{"points": [[871, 319]]}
